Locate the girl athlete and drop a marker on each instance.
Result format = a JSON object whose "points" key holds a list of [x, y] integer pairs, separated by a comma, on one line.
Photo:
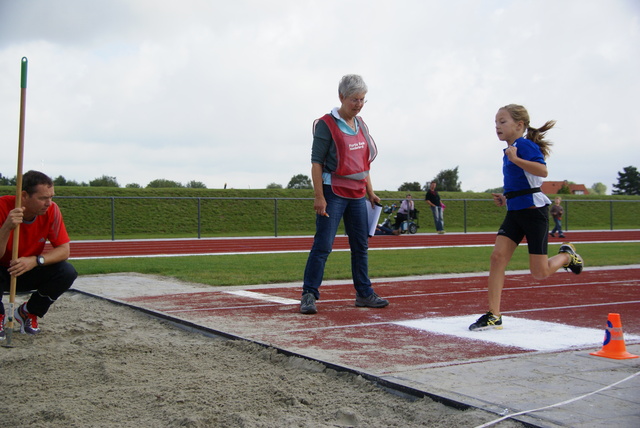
{"points": [[527, 216]]}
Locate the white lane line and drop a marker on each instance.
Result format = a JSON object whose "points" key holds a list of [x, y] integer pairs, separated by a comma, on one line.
{"points": [[263, 297], [235, 253]]}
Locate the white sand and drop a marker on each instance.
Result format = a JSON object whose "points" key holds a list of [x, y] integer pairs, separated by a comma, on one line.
{"points": [[97, 364]]}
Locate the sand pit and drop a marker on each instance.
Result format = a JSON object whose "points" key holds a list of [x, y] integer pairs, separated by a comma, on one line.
{"points": [[98, 364]]}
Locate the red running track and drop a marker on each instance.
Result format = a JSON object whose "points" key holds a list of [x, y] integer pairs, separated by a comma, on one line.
{"points": [[373, 341], [151, 247]]}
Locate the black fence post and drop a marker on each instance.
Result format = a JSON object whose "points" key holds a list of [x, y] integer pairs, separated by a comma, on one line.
{"points": [[611, 213], [275, 217], [465, 216], [199, 219], [113, 218]]}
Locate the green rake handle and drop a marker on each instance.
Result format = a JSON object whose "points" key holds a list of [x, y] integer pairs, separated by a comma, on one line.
{"points": [[23, 73]]}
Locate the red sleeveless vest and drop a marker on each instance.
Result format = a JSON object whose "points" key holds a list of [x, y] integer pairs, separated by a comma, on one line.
{"points": [[354, 154]]}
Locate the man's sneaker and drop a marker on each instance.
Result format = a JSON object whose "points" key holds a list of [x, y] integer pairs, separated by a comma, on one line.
{"points": [[487, 321], [575, 261], [2, 333], [308, 304], [373, 301], [28, 322]]}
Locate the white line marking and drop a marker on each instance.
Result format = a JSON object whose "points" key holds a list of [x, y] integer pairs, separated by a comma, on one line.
{"points": [[264, 297], [236, 253], [586, 305], [515, 288]]}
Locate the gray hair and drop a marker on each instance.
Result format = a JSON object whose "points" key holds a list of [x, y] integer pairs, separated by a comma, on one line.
{"points": [[352, 84]]}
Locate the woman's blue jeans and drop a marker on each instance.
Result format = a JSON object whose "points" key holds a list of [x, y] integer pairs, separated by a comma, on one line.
{"points": [[354, 213]]}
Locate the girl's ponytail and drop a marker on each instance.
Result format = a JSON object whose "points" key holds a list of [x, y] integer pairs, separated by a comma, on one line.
{"points": [[537, 136]]}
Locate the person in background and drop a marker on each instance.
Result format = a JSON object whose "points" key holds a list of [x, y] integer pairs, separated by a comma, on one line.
{"points": [[432, 198], [524, 168], [341, 157], [556, 213], [48, 273], [381, 229], [406, 208]]}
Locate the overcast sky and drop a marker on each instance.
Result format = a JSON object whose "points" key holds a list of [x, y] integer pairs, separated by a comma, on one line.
{"points": [[226, 91]]}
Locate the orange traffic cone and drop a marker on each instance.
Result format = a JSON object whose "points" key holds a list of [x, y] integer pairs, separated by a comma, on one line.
{"points": [[613, 346]]}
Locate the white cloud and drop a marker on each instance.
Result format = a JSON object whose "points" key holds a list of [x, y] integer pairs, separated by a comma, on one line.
{"points": [[225, 92]]}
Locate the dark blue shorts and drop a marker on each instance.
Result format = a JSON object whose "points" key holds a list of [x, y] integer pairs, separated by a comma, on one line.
{"points": [[532, 223]]}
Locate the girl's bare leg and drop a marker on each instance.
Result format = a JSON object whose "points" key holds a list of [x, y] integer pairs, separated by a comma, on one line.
{"points": [[542, 266], [502, 252]]}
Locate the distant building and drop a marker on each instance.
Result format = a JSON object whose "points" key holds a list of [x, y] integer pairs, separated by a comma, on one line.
{"points": [[553, 187]]}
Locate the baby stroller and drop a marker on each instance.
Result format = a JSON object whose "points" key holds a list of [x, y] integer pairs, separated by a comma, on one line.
{"points": [[410, 225]]}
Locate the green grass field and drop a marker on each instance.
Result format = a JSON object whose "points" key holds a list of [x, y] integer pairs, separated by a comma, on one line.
{"points": [[225, 270]]}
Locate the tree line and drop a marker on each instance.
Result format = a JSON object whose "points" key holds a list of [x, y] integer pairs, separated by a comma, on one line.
{"points": [[447, 181], [107, 181]]}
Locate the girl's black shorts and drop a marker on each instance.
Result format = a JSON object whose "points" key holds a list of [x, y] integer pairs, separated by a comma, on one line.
{"points": [[532, 223]]}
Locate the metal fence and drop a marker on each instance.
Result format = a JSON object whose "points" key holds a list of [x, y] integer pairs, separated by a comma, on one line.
{"points": [[94, 217]]}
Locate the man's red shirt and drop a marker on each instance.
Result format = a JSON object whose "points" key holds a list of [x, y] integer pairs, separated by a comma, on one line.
{"points": [[33, 236]]}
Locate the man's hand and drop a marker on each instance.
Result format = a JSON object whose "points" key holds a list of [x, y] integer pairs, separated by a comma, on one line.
{"points": [[22, 265], [14, 218]]}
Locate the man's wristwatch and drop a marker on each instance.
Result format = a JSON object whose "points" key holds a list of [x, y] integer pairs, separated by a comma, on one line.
{"points": [[40, 260]]}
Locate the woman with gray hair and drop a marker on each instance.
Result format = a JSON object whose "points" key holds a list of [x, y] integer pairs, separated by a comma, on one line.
{"points": [[341, 155]]}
